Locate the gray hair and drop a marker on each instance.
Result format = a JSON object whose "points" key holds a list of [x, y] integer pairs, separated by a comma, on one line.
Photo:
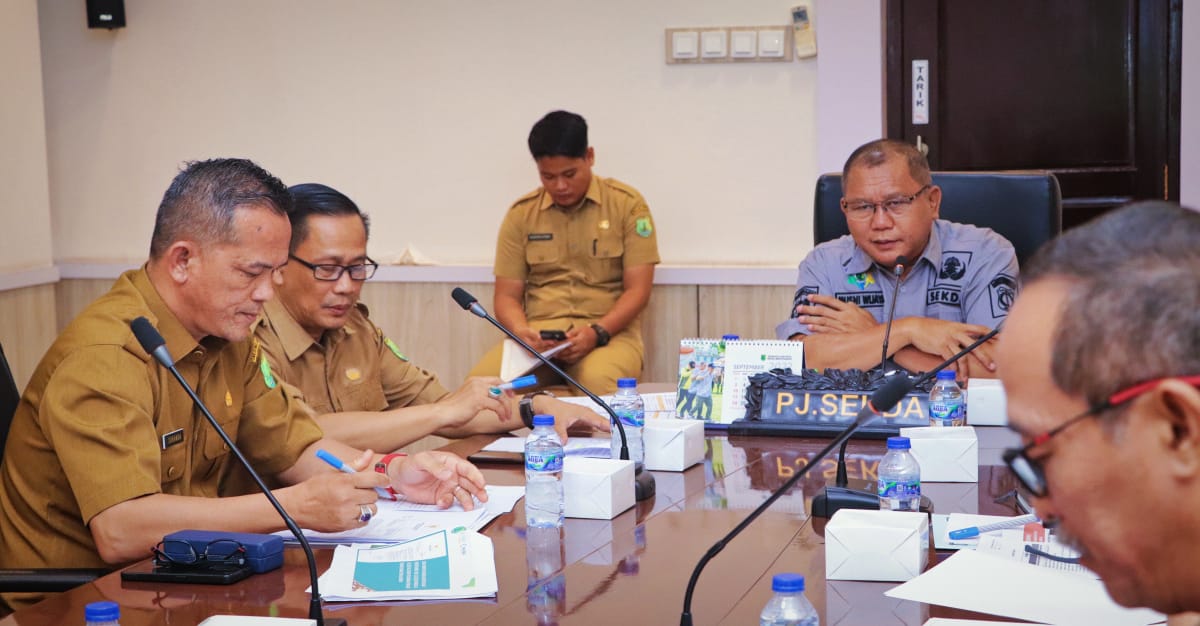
{"points": [[1130, 312], [878, 152], [201, 202]]}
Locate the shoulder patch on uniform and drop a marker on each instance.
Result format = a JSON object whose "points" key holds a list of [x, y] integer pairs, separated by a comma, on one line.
{"points": [[644, 227], [394, 348], [801, 298], [1002, 290], [862, 280], [265, 367], [954, 265]]}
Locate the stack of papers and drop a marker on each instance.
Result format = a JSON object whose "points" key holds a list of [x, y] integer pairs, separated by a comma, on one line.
{"points": [[403, 521], [442, 565]]}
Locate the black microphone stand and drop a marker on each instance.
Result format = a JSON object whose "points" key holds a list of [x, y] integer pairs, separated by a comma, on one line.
{"points": [[153, 344], [643, 481]]}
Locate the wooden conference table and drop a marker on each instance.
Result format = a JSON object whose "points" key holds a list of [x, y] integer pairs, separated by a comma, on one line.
{"points": [[630, 570]]}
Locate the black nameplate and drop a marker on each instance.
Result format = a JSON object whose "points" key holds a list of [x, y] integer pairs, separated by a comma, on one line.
{"points": [[173, 438]]}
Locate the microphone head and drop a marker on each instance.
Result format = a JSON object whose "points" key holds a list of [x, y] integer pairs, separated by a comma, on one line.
{"points": [[147, 335], [889, 395], [464, 299], [900, 264]]}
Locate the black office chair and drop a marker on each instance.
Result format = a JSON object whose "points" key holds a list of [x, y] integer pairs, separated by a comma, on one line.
{"points": [[31, 580], [1023, 207]]}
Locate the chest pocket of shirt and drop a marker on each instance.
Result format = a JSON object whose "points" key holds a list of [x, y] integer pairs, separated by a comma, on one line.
{"points": [[542, 252], [172, 463], [607, 255], [363, 394]]}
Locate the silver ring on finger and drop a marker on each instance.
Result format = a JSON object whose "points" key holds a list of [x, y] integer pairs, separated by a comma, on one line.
{"points": [[364, 513]]}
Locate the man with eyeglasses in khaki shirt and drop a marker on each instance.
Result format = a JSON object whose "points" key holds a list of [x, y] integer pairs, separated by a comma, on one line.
{"points": [[958, 284]]}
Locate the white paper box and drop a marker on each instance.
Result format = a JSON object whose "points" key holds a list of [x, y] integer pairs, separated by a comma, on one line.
{"points": [[673, 445], [597, 488], [945, 454], [876, 545], [986, 405]]}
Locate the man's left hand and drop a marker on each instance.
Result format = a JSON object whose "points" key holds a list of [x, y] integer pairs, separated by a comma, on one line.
{"points": [[436, 477], [827, 314], [583, 341]]}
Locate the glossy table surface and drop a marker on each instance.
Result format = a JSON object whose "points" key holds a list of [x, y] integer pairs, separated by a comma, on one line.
{"points": [[630, 570]]}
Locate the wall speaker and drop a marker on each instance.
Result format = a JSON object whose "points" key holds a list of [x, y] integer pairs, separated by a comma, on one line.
{"points": [[106, 14]]}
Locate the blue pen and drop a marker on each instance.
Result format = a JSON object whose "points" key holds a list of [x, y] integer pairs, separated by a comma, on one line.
{"points": [[516, 383], [974, 531], [342, 467]]}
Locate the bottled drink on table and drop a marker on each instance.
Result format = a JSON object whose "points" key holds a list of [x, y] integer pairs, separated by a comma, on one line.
{"points": [[946, 402], [628, 405], [789, 606], [102, 614], [899, 477], [543, 474]]}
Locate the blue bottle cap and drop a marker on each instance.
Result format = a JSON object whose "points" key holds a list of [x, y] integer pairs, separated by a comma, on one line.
{"points": [[729, 337], [787, 583], [623, 383], [102, 612], [899, 443], [945, 375], [543, 420]]}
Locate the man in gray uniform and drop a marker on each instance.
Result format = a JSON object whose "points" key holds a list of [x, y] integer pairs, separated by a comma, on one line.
{"points": [[958, 284]]}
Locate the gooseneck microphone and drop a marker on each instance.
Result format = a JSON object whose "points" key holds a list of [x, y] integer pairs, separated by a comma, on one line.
{"points": [[154, 345], [884, 399], [898, 271], [643, 480]]}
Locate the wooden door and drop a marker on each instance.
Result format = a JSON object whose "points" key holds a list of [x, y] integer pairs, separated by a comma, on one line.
{"points": [[1084, 88]]}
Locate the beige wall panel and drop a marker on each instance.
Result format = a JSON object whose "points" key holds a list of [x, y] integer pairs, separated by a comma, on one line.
{"points": [[748, 311], [670, 317], [73, 295], [28, 328]]}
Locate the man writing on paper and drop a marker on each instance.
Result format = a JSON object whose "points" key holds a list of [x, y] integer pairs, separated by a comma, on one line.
{"points": [[107, 453], [957, 285], [1100, 361], [317, 336], [576, 255]]}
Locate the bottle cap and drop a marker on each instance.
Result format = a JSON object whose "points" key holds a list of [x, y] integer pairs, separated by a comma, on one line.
{"points": [[787, 583], [626, 383], [729, 337], [899, 443], [102, 612], [543, 420], [945, 375]]}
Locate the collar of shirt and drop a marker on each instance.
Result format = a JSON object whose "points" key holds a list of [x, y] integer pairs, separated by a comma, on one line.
{"points": [[292, 336], [593, 194], [180, 342], [859, 261]]}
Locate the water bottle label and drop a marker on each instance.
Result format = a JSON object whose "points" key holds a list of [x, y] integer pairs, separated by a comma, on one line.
{"points": [[631, 417], [543, 461], [899, 490], [945, 410]]}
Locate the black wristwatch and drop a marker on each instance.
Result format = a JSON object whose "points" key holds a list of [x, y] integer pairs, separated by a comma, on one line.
{"points": [[602, 336], [526, 406]]}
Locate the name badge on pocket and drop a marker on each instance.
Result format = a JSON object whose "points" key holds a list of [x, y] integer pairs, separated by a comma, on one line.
{"points": [[173, 438], [541, 236]]}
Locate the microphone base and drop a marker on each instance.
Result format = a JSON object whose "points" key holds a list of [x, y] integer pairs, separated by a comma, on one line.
{"points": [[833, 499], [643, 483]]}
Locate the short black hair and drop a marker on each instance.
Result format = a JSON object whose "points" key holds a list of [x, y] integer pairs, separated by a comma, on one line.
{"points": [[559, 133], [875, 153], [317, 199]]}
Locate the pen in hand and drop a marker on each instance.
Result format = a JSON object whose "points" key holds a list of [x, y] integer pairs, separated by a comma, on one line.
{"points": [[516, 383], [338, 465], [974, 531]]}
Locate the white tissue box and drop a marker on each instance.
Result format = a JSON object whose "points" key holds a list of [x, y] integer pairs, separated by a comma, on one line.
{"points": [[946, 454], [876, 545], [673, 445], [597, 488], [986, 405]]}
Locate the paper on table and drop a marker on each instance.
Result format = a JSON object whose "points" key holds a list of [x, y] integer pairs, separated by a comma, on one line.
{"points": [[947, 621], [402, 521], [658, 405], [984, 583], [600, 447], [516, 361]]}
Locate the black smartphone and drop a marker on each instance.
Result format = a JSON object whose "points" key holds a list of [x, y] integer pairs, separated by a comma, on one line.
{"points": [[553, 335], [149, 571]]}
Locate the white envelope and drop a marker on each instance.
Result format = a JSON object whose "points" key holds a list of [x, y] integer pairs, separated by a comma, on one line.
{"points": [[597, 488], [876, 545], [673, 445], [945, 454], [986, 404]]}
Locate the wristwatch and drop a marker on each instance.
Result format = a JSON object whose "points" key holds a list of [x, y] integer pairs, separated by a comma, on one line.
{"points": [[526, 406], [602, 336]]}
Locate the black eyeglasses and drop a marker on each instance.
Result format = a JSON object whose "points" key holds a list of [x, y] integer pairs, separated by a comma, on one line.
{"points": [[216, 553], [1031, 472], [896, 207], [332, 271]]}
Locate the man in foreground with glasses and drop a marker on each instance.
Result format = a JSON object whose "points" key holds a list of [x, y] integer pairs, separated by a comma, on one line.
{"points": [[317, 337], [957, 285], [1100, 361]]}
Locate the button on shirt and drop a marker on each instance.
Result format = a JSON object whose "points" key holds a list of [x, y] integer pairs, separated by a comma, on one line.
{"points": [[966, 274]]}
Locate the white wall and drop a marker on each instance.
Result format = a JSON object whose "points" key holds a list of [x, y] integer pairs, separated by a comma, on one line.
{"points": [[850, 79], [419, 111], [1189, 157], [24, 189]]}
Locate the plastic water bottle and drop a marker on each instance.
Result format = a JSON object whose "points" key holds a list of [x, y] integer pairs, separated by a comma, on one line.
{"points": [[946, 402], [628, 405], [789, 606], [543, 474], [899, 477], [102, 614]]}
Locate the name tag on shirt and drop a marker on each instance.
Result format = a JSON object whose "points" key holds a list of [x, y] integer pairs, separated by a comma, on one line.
{"points": [[541, 236], [173, 438]]}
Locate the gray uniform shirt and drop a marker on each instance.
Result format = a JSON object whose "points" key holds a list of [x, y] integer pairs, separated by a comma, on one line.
{"points": [[966, 274]]}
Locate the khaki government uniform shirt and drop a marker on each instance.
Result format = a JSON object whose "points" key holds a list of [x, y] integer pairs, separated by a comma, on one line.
{"points": [[573, 261], [354, 368], [101, 422]]}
